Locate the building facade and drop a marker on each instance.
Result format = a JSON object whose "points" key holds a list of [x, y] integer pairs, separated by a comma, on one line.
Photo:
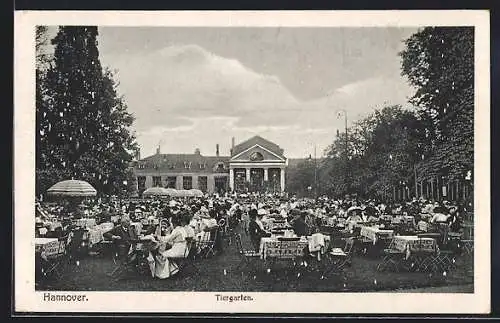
{"points": [[254, 165]]}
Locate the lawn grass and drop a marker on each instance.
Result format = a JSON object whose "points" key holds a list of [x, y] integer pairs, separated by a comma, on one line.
{"points": [[219, 274]]}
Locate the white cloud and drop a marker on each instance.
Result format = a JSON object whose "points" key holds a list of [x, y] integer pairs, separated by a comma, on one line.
{"points": [[189, 97]]}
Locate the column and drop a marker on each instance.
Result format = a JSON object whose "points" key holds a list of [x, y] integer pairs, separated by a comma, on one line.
{"points": [[248, 174], [149, 182], [178, 183], [231, 179], [282, 179], [195, 182], [266, 175], [210, 183]]}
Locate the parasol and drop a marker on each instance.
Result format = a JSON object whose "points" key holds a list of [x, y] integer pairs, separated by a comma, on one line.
{"points": [[172, 192], [196, 192], [155, 191], [184, 193], [72, 187]]}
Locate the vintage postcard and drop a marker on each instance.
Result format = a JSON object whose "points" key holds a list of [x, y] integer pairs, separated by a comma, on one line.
{"points": [[252, 162]]}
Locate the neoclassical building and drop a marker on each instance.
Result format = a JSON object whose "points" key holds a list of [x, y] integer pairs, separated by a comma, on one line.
{"points": [[256, 164]]}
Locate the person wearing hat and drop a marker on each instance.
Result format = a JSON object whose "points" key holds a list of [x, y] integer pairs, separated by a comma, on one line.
{"points": [[299, 224], [122, 235], [256, 229]]}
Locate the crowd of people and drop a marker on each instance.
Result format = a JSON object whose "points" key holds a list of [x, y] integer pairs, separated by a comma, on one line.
{"points": [[170, 223]]}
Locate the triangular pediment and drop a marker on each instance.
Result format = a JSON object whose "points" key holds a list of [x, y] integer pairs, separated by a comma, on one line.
{"points": [[257, 141], [257, 153]]}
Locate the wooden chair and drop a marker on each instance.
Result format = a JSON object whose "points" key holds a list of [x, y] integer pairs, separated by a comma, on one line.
{"points": [[391, 259], [337, 259], [206, 248], [188, 260], [55, 264], [247, 256]]}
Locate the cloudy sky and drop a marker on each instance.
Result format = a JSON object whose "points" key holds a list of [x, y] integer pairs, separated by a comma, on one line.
{"points": [[195, 87]]}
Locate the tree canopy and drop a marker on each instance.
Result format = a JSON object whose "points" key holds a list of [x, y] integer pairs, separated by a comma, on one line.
{"points": [[82, 124]]}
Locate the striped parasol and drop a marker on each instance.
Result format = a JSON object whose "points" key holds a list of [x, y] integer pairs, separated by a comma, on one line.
{"points": [[155, 191], [72, 187]]}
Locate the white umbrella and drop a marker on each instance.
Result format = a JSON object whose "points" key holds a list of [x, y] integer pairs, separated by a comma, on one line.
{"points": [[72, 187], [155, 191], [172, 192], [196, 192]]}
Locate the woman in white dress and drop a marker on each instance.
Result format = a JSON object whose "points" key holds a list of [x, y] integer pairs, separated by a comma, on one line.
{"points": [[164, 264]]}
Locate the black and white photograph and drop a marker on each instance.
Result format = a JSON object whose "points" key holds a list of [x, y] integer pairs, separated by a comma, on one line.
{"points": [[233, 160]]}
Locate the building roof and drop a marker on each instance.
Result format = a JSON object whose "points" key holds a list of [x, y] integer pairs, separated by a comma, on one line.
{"points": [[257, 140], [184, 163]]}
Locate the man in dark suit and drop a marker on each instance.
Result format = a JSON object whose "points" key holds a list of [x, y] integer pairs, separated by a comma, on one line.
{"points": [[122, 235]]}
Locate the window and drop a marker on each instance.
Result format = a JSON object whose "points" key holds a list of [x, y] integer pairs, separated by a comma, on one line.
{"points": [[140, 166], [156, 181], [187, 182], [203, 165], [219, 167], [202, 183], [171, 181], [187, 165]]}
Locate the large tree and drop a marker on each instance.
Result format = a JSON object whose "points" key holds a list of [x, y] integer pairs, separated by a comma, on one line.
{"points": [[83, 125], [439, 63]]}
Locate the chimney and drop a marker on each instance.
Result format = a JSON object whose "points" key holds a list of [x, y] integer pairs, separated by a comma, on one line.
{"points": [[232, 143], [217, 150], [138, 154], [197, 151]]}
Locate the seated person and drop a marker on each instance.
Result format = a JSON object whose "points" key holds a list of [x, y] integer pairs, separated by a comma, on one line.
{"points": [[172, 245], [185, 221], [256, 229], [300, 226], [122, 234], [439, 215]]}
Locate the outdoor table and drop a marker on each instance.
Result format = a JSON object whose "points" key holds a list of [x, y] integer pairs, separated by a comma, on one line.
{"points": [[273, 248], [330, 221], [96, 234], [375, 233], [52, 225], [86, 223], [423, 226], [412, 244], [47, 246], [351, 225], [409, 219]]}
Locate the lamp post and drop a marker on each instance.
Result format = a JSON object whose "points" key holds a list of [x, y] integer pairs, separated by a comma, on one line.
{"points": [[346, 149]]}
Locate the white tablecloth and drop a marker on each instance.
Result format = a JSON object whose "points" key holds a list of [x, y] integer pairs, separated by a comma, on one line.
{"points": [[86, 223], [47, 246], [374, 233]]}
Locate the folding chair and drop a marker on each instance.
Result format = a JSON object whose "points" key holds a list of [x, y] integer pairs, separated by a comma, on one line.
{"points": [[189, 257], [391, 260], [135, 258], [54, 264], [337, 259], [206, 248], [247, 256]]}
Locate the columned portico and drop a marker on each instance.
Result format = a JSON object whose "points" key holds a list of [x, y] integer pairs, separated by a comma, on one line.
{"points": [[257, 165]]}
